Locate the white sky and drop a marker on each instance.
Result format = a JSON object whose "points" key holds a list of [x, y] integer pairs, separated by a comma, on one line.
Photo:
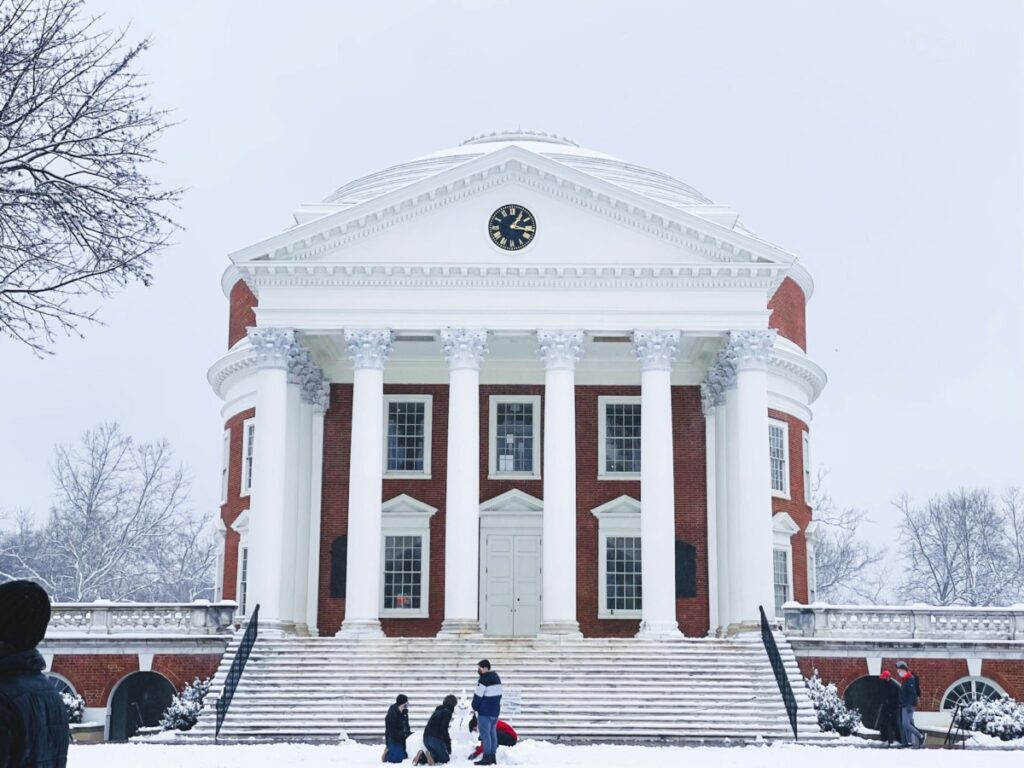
{"points": [[881, 142]]}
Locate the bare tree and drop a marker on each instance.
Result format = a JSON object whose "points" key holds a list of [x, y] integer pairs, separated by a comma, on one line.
{"points": [[120, 527], [78, 212], [961, 548], [847, 568]]}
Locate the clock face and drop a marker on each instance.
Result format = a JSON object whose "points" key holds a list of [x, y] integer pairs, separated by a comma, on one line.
{"points": [[512, 227]]}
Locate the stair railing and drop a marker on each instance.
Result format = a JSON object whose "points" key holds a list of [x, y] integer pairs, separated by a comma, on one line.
{"points": [[779, 668], [237, 667], [952, 736]]}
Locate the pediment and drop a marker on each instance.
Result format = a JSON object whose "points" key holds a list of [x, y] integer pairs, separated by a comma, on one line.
{"points": [[404, 504], [513, 501], [622, 506]]}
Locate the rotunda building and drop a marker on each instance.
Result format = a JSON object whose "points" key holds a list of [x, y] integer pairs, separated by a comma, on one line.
{"points": [[516, 388]]}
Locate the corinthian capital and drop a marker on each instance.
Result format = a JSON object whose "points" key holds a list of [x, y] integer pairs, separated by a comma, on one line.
{"points": [[707, 399], [656, 349], [750, 349], [272, 346], [560, 348], [463, 347], [368, 347], [299, 361], [322, 396]]}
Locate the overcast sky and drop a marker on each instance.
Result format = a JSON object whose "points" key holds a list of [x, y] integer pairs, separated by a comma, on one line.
{"points": [[881, 142]]}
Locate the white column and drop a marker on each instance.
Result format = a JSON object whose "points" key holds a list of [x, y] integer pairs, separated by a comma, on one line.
{"points": [[722, 502], [316, 469], [560, 350], [304, 450], [732, 497], [464, 349], [753, 532], [269, 502], [369, 350], [656, 350], [707, 402], [289, 534]]}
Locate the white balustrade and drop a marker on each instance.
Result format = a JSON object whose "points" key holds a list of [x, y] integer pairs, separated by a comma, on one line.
{"points": [[867, 622], [158, 619]]}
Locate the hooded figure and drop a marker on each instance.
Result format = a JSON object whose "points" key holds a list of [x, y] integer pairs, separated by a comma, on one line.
{"points": [[888, 722], [437, 741], [33, 719], [397, 730]]}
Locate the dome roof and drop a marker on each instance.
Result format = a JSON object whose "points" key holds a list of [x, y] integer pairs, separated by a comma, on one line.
{"points": [[653, 184]]}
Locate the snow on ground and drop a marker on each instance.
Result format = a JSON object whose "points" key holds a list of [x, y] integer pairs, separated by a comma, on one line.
{"points": [[536, 754]]}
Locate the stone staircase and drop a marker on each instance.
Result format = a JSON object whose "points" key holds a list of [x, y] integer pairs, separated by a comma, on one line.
{"points": [[322, 689]]}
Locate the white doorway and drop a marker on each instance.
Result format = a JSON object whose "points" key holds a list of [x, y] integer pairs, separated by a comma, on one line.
{"points": [[510, 565]]}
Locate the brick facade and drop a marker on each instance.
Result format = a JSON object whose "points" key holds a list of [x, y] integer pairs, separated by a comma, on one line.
{"points": [[788, 308], [181, 668], [236, 504], [94, 676], [795, 506], [242, 312]]}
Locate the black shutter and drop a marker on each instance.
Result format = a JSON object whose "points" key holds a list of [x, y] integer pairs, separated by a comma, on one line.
{"points": [[686, 569], [339, 565]]}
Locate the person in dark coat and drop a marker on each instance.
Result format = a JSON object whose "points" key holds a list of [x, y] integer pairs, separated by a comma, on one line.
{"points": [[437, 742], [397, 730], [910, 692], [888, 722], [34, 730], [487, 705]]}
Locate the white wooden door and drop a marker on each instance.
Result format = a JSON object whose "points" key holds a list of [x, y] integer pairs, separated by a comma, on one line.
{"points": [[511, 594], [526, 615]]}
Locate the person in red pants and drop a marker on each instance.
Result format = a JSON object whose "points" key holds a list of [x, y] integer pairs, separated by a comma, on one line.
{"points": [[507, 736]]}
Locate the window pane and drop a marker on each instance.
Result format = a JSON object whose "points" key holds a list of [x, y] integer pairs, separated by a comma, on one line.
{"points": [[623, 587], [406, 436], [243, 582], [403, 572], [622, 437], [777, 451], [514, 437], [781, 569], [250, 446]]}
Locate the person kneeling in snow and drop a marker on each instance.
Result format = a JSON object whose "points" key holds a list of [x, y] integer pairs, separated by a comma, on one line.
{"points": [[437, 741], [396, 730], [507, 736]]}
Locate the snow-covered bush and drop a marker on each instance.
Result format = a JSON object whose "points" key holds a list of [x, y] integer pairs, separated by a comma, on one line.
{"points": [[75, 706], [830, 708], [1002, 718], [184, 710]]}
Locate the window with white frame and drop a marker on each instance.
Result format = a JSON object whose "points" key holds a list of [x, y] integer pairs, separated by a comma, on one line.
{"points": [[969, 689], [811, 540], [781, 577], [248, 447], [807, 468], [514, 439], [225, 458], [221, 532], [405, 542], [618, 437], [407, 427], [620, 569], [778, 448], [241, 527]]}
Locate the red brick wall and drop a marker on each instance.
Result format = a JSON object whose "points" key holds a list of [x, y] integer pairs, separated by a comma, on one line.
{"points": [[842, 672], [788, 312], [242, 312], [334, 500], [688, 436], [183, 668], [934, 675], [795, 505], [236, 504], [1009, 675], [94, 676]]}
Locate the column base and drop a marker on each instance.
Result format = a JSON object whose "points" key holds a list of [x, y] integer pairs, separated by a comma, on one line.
{"points": [[275, 627], [568, 629], [360, 629], [744, 627], [659, 630], [460, 628], [301, 630]]}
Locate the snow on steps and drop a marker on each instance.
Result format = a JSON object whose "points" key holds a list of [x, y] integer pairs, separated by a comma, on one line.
{"points": [[318, 689]]}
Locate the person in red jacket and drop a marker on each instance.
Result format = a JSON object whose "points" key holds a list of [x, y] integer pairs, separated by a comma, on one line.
{"points": [[507, 736]]}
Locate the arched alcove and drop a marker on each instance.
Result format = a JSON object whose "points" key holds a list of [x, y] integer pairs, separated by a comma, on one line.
{"points": [[137, 701]]}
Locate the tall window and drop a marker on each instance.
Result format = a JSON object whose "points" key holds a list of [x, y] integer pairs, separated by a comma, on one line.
{"points": [[248, 448], [777, 438], [407, 438], [514, 435], [619, 426], [807, 468], [403, 572], [225, 458], [781, 571], [243, 579], [623, 588]]}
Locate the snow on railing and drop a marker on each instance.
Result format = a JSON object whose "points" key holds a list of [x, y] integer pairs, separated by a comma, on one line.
{"points": [[904, 622], [106, 618]]}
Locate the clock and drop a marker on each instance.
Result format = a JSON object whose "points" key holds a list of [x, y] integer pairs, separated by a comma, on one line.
{"points": [[512, 227]]}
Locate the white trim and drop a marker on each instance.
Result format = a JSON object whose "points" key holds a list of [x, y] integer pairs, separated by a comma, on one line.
{"points": [[603, 401], [811, 541], [225, 461], [405, 516], [784, 426], [221, 532], [806, 464], [248, 430], [241, 527], [492, 442], [428, 417], [783, 530], [618, 517], [969, 679]]}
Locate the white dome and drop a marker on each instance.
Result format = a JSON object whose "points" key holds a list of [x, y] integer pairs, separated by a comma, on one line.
{"points": [[636, 178]]}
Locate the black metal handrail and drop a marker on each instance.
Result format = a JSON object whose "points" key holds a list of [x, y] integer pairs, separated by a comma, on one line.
{"points": [[779, 669], [237, 667], [952, 736]]}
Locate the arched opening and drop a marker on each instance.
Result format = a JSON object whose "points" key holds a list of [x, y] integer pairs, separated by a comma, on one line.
{"points": [[866, 694], [61, 683], [968, 689], [137, 701]]}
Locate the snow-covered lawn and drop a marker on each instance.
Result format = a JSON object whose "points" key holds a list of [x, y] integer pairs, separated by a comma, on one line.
{"points": [[536, 754]]}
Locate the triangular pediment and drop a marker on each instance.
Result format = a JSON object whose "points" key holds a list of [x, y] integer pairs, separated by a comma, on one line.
{"points": [[404, 504], [622, 506], [513, 501]]}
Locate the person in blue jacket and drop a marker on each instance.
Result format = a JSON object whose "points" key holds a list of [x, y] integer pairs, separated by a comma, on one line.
{"points": [[487, 705], [910, 692], [33, 719]]}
